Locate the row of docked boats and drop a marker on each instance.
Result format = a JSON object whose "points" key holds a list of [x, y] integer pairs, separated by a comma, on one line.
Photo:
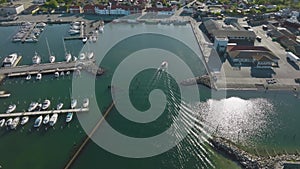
{"points": [[29, 32], [75, 28]]}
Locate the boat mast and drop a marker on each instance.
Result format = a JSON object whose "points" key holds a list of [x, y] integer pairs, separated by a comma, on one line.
{"points": [[48, 47]]}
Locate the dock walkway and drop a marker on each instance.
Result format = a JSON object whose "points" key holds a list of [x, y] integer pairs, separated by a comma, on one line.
{"points": [[43, 112], [47, 68]]}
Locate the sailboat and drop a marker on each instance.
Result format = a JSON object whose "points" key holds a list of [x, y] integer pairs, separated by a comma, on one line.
{"points": [[51, 57], [68, 56]]}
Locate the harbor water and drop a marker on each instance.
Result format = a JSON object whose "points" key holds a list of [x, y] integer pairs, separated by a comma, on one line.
{"points": [[257, 120]]}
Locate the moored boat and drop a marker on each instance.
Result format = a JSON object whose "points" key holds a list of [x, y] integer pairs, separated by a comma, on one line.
{"points": [[86, 102], [36, 59], [2, 122], [52, 59], [46, 119], [46, 104], [84, 40], [33, 106], [8, 122], [56, 74], [73, 103], [38, 121], [59, 106], [53, 119], [69, 117], [28, 77], [39, 76], [11, 108], [24, 120]]}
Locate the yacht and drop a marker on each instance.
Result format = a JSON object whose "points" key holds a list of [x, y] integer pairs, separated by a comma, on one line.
{"points": [[8, 122], [68, 73], [163, 66], [39, 76], [59, 106], [38, 121], [56, 74], [73, 103], [24, 120], [52, 59], [69, 117], [2, 122], [84, 40], [86, 102], [15, 122], [33, 106], [46, 119], [11, 108], [28, 77], [81, 56], [53, 119], [36, 59], [46, 104]]}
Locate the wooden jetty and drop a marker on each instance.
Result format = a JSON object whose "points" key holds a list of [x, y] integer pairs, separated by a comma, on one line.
{"points": [[5, 115], [50, 68]]}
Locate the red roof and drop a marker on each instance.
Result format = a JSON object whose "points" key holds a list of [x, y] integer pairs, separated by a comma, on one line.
{"points": [[236, 47], [89, 7], [75, 7]]}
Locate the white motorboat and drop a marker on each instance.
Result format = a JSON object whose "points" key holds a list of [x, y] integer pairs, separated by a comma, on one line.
{"points": [[52, 59], [74, 58], [90, 55], [73, 103], [36, 59], [39, 76], [86, 102], [28, 77], [74, 31], [53, 119], [33, 106], [163, 66], [62, 73], [38, 121], [69, 117], [46, 104], [101, 28], [46, 119], [68, 73], [68, 57], [8, 122], [84, 40], [56, 74], [15, 122], [81, 56], [59, 106], [2, 122], [94, 38], [24, 120], [11, 108]]}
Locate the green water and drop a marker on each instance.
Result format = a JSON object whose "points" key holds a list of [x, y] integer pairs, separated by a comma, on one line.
{"points": [[52, 147]]}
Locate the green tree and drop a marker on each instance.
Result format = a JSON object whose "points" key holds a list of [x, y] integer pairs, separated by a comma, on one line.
{"points": [[52, 4]]}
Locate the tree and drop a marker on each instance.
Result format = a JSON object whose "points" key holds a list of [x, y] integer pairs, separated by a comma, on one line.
{"points": [[52, 4]]}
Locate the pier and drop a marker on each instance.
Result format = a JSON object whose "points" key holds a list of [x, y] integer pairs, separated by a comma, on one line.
{"points": [[28, 32], [7, 115], [24, 70], [89, 136]]}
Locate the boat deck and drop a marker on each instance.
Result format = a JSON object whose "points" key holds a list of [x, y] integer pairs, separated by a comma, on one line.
{"points": [[18, 114]]}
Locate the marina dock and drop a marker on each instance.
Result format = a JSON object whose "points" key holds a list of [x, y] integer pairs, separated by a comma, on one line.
{"points": [[43, 112], [51, 68]]}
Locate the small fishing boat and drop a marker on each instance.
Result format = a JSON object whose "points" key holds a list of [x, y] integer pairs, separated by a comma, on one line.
{"points": [[11, 108], [38, 121], [28, 77], [24, 120], [53, 119], [59, 106], [2, 122], [69, 117], [46, 119], [73, 103], [46, 104], [56, 74], [8, 122]]}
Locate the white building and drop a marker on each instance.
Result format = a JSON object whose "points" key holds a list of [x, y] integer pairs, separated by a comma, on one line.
{"points": [[11, 10]]}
